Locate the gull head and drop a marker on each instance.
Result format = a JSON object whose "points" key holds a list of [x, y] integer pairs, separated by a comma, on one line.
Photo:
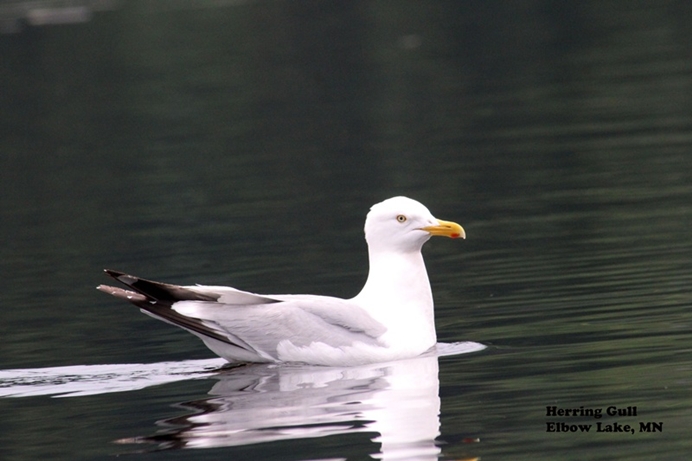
{"points": [[403, 224]]}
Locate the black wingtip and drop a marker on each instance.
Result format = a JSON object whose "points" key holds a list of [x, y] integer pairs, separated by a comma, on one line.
{"points": [[114, 274], [158, 291], [156, 298]]}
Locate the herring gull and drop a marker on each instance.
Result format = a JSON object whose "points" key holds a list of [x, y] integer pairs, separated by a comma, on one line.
{"points": [[391, 318]]}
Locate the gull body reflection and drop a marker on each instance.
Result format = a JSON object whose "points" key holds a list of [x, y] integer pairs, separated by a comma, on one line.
{"points": [[398, 402]]}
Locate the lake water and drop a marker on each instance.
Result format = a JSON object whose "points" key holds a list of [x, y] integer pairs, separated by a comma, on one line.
{"points": [[241, 143]]}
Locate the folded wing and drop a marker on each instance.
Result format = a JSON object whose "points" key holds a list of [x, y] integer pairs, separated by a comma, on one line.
{"points": [[243, 326]]}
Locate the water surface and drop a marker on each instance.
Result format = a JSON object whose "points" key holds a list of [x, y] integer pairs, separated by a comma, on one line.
{"points": [[241, 143]]}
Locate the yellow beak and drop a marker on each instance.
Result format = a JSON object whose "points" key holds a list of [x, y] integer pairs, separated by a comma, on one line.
{"points": [[446, 229]]}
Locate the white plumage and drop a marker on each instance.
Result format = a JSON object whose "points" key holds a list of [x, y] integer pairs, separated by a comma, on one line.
{"points": [[391, 318]]}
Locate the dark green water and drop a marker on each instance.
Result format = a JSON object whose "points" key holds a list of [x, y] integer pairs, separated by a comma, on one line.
{"points": [[241, 143]]}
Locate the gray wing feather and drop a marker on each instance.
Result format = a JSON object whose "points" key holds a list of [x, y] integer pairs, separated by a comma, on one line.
{"points": [[252, 322], [300, 319], [230, 295], [337, 312]]}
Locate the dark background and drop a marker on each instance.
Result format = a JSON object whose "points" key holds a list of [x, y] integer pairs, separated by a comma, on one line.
{"points": [[242, 143]]}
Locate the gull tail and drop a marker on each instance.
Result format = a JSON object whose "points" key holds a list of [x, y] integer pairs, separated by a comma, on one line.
{"points": [[157, 299], [154, 291]]}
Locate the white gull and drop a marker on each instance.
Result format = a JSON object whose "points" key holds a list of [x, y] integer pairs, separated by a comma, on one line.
{"points": [[391, 318]]}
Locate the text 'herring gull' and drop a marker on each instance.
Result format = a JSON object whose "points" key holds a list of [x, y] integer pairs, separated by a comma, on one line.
{"points": [[391, 318]]}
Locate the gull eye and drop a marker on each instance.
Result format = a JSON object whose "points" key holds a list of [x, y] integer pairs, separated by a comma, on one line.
{"points": [[401, 218]]}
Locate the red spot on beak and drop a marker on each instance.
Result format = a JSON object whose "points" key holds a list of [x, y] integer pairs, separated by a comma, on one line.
{"points": [[455, 236]]}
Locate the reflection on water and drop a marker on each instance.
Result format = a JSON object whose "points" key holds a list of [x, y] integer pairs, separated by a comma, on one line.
{"points": [[241, 142], [15, 15], [397, 401]]}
